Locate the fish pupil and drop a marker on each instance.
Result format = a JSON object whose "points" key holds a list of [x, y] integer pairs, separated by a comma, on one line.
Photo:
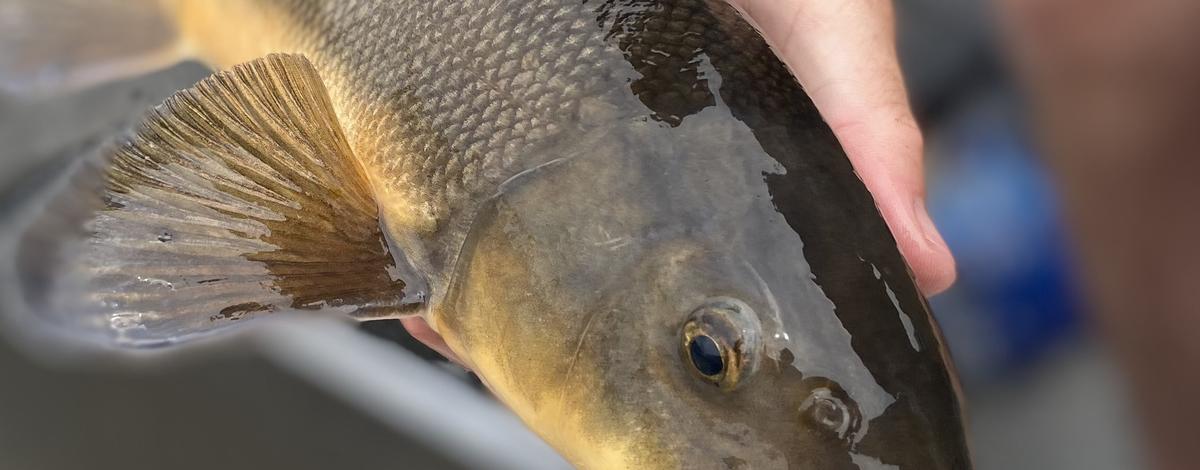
{"points": [[706, 356]]}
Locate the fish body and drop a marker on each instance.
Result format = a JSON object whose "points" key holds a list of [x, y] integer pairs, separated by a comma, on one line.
{"points": [[625, 215]]}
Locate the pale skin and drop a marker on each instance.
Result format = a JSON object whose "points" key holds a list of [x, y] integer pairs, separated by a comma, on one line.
{"points": [[844, 54], [1114, 105]]}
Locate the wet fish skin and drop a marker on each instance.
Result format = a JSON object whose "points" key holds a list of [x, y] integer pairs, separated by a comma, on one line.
{"points": [[567, 183], [646, 68]]}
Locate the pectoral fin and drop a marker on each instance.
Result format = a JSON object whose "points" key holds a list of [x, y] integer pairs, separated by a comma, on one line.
{"points": [[234, 199]]}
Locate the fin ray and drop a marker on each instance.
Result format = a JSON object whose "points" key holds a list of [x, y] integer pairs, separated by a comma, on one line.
{"points": [[237, 198]]}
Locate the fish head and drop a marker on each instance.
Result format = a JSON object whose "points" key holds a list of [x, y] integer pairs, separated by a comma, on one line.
{"points": [[648, 302]]}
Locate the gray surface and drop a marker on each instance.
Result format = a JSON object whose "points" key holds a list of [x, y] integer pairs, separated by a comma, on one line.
{"points": [[294, 393], [1068, 413], [33, 130]]}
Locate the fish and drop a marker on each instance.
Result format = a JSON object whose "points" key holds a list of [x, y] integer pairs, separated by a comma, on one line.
{"points": [[626, 216]]}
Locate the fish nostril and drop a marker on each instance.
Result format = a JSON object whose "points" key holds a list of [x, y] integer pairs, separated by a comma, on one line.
{"points": [[830, 414], [827, 411]]}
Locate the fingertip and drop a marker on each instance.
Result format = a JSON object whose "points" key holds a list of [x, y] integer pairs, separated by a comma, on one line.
{"points": [[888, 159], [844, 55], [935, 270], [930, 257]]}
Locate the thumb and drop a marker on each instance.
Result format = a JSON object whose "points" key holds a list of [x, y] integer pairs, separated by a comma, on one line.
{"points": [[844, 54]]}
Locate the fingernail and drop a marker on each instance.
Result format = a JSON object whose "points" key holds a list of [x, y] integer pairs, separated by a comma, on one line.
{"points": [[929, 232]]}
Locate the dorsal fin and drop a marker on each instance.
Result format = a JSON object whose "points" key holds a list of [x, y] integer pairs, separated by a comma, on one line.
{"points": [[233, 199]]}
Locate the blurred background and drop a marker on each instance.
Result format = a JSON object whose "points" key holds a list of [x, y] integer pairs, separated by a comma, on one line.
{"points": [[1042, 394]]}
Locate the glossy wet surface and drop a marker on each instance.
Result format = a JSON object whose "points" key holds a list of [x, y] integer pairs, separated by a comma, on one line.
{"points": [[1065, 415], [714, 177]]}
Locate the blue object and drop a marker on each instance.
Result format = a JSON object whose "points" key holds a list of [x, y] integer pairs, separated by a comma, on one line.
{"points": [[998, 211]]}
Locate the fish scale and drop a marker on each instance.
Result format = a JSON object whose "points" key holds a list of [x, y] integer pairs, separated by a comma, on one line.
{"points": [[625, 215], [431, 153], [435, 125]]}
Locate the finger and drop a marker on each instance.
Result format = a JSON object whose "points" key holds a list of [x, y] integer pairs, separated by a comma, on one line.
{"points": [[844, 54]]}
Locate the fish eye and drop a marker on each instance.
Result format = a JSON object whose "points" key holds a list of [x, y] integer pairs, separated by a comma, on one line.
{"points": [[720, 342]]}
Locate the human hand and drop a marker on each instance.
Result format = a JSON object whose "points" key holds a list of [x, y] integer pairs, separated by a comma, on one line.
{"points": [[844, 54]]}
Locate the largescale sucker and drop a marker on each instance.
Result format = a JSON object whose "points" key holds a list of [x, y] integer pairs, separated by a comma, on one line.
{"points": [[626, 215]]}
